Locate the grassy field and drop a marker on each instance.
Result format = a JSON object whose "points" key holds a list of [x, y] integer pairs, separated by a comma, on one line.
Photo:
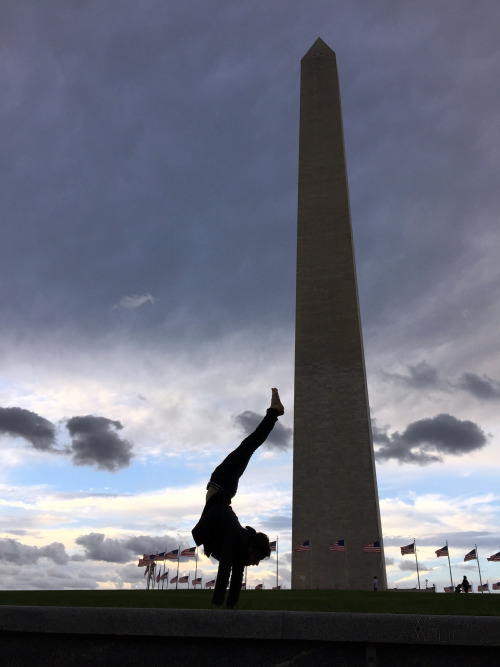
{"points": [[348, 601]]}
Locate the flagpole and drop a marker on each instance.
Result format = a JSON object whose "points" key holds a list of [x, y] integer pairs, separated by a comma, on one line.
{"points": [[449, 564], [416, 561], [479, 569], [178, 559], [276, 562], [196, 566]]}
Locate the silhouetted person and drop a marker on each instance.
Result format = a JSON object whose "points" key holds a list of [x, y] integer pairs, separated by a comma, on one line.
{"points": [[219, 530], [375, 583], [465, 585]]}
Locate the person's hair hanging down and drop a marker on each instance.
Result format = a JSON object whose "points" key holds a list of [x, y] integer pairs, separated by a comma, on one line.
{"points": [[259, 543], [218, 529]]}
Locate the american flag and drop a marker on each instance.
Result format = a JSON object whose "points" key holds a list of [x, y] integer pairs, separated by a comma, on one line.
{"points": [[210, 583], [372, 547], [272, 545], [173, 580], [442, 552], [259, 587], [305, 546], [196, 581], [471, 555], [449, 589], [496, 587], [158, 577], [172, 555], [165, 575], [408, 549], [337, 546], [189, 552], [482, 588], [160, 556], [142, 562], [495, 557], [184, 580]]}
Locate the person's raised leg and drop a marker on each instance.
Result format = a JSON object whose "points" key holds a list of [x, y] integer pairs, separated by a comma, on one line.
{"points": [[226, 476]]}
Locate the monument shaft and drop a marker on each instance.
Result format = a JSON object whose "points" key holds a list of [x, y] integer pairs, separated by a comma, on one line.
{"points": [[334, 481]]}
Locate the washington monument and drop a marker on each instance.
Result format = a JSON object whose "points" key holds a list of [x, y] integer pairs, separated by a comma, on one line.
{"points": [[335, 497]]}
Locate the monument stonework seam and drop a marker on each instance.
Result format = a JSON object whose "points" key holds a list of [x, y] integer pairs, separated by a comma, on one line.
{"points": [[335, 493]]}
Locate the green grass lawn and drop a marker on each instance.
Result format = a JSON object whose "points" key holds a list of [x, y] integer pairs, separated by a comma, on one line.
{"points": [[388, 602]]}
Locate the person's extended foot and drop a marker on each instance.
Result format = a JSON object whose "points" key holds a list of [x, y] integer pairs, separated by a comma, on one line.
{"points": [[276, 403]]}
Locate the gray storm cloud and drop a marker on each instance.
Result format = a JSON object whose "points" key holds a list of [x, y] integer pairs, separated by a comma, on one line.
{"points": [[18, 422], [420, 376], [24, 554], [122, 550], [428, 440], [483, 387], [409, 566], [99, 547], [279, 438], [95, 442]]}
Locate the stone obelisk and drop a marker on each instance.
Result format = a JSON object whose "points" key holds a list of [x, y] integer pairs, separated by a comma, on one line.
{"points": [[335, 495]]}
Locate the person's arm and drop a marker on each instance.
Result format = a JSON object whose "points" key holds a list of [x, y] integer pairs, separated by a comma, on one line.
{"points": [[225, 564], [235, 586]]}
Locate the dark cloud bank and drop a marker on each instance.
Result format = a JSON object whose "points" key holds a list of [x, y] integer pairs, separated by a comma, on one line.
{"points": [[423, 376], [96, 546], [28, 425], [428, 440], [23, 554], [122, 550], [94, 440], [483, 388]]}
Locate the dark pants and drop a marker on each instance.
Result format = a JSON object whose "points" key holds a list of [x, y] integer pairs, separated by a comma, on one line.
{"points": [[226, 476]]}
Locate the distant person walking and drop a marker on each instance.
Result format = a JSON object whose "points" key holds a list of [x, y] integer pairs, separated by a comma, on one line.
{"points": [[375, 583], [465, 585], [220, 532]]}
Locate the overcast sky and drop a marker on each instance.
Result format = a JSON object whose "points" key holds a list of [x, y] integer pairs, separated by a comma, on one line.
{"points": [[149, 155]]}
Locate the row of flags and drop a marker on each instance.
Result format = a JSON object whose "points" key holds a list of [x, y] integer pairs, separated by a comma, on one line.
{"points": [[472, 555], [149, 561], [339, 545], [374, 547], [171, 555]]}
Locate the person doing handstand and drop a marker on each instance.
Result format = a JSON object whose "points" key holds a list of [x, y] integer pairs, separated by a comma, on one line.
{"points": [[218, 530]]}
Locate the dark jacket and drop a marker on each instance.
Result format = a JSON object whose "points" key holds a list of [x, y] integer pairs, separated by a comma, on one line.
{"points": [[225, 539]]}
